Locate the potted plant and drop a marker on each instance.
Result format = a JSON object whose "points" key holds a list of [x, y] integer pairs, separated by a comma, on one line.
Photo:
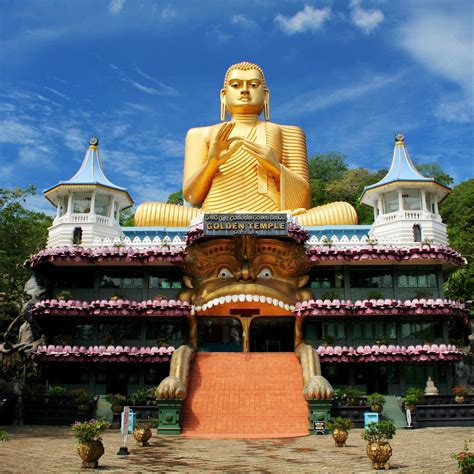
{"points": [[56, 394], [460, 394], [82, 399], [465, 460], [139, 397], [142, 433], [413, 397], [117, 401], [376, 402], [353, 396], [379, 450], [88, 435], [340, 429]]}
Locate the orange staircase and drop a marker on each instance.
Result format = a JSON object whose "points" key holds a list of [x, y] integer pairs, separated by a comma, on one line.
{"points": [[245, 395]]}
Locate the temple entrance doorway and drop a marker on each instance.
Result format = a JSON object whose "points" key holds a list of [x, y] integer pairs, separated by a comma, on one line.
{"points": [[377, 379], [219, 334], [272, 334]]}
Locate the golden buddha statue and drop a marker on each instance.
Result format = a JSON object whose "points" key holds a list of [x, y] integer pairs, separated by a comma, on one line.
{"points": [[245, 164]]}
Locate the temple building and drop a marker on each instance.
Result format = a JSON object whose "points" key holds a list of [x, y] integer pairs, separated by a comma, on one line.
{"points": [[246, 309]]}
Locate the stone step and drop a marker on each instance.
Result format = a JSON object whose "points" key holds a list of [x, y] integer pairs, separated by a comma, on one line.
{"points": [[392, 410], [251, 395]]}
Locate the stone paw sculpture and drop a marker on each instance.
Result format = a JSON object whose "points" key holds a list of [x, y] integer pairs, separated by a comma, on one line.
{"points": [[171, 388], [318, 388]]}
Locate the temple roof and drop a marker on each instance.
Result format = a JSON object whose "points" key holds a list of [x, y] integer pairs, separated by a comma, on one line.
{"points": [[402, 170], [90, 173]]}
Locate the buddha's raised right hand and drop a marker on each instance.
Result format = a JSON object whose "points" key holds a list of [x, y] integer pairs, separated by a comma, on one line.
{"points": [[220, 149]]}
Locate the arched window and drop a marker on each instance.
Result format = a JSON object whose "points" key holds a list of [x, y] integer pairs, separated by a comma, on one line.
{"points": [[77, 236], [417, 233]]}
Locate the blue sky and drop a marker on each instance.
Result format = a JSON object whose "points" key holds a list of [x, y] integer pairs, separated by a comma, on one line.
{"points": [[139, 73]]}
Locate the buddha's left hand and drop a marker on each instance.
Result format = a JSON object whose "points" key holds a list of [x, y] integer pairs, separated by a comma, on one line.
{"points": [[265, 156]]}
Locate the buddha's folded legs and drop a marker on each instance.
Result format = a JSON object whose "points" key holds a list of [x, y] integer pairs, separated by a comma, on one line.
{"points": [[163, 214], [173, 215]]}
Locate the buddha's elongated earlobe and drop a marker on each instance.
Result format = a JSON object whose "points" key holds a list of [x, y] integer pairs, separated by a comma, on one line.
{"points": [[222, 105], [266, 105]]}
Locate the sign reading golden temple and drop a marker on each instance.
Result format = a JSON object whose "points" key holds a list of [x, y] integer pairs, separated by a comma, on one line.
{"points": [[245, 224]]}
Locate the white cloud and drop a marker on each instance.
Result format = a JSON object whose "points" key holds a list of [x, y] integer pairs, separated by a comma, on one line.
{"points": [[243, 21], [454, 110], [115, 6], [319, 100], [366, 20], [12, 131], [442, 41], [75, 140], [308, 19]]}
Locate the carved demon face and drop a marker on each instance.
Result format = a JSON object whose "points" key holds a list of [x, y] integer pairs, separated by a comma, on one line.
{"points": [[246, 270]]}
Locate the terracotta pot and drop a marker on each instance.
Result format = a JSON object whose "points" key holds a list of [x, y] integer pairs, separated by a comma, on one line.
{"points": [[142, 435], [376, 407], [340, 437], [379, 454], [459, 398], [90, 452], [116, 409]]}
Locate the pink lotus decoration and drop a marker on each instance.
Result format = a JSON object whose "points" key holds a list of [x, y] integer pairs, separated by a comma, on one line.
{"points": [[112, 308], [107, 254], [390, 254], [378, 307], [53, 353], [390, 353]]}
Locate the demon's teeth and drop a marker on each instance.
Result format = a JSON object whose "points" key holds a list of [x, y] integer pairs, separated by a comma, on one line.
{"points": [[228, 298], [292, 308], [269, 300], [275, 302], [210, 304], [262, 299], [281, 304], [256, 298], [204, 306], [235, 298], [287, 307], [249, 298], [241, 298], [198, 308], [221, 300]]}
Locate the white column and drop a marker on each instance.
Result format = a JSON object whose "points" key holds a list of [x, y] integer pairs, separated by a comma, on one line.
{"points": [[112, 208], [423, 201], [400, 200], [58, 208], [69, 204], [436, 204], [92, 211], [380, 205]]}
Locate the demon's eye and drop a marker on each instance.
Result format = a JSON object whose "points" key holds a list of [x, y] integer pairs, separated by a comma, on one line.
{"points": [[265, 274], [225, 274]]}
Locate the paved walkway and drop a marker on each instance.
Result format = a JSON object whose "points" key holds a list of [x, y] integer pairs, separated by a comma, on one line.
{"points": [[38, 449]]}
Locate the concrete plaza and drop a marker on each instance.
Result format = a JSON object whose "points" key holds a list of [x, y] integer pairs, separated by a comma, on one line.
{"points": [[49, 449]]}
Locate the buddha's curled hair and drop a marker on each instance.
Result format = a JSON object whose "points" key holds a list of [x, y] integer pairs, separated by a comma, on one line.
{"points": [[245, 66]]}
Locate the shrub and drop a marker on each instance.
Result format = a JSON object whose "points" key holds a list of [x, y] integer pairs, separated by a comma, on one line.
{"points": [[80, 396], [57, 392], [89, 430], [460, 391], [414, 396], [379, 432], [465, 459], [4, 436], [340, 423], [376, 399], [116, 398], [139, 397]]}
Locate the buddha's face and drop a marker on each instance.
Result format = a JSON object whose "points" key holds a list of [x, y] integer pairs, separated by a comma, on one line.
{"points": [[244, 92]]}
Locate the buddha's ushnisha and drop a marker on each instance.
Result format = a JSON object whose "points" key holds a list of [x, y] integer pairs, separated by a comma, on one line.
{"points": [[245, 164]]}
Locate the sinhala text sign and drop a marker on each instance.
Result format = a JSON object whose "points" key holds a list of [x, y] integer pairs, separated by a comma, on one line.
{"points": [[245, 224]]}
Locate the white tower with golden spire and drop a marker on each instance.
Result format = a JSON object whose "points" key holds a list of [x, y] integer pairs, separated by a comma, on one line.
{"points": [[87, 206], [406, 203]]}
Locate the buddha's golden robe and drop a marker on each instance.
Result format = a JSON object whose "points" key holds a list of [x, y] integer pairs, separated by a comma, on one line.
{"points": [[242, 184]]}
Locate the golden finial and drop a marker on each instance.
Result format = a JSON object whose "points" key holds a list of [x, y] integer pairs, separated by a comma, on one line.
{"points": [[93, 143], [400, 139]]}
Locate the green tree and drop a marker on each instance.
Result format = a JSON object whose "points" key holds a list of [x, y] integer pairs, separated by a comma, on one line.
{"points": [[176, 198], [127, 217], [22, 233], [433, 170]]}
